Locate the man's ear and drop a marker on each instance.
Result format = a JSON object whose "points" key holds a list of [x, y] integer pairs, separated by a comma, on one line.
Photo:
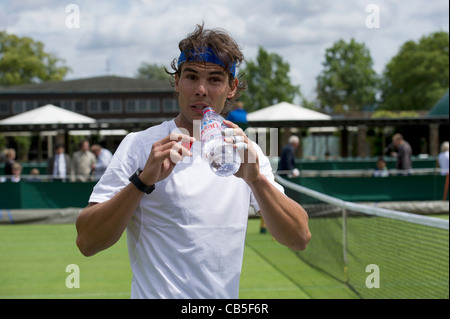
{"points": [[177, 79], [234, 86]]}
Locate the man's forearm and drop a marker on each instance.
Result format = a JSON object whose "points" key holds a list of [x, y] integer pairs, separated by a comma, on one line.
{"points": [[99, 226], [286, 220]]}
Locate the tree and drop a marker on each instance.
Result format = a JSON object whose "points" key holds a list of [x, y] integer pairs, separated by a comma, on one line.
{"points": [[348, 81], [152, 71], [23, 61], [417, 76], [268, 82]]}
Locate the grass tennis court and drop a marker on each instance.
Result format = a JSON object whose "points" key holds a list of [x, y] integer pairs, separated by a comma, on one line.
{"points": [[33, 261]]}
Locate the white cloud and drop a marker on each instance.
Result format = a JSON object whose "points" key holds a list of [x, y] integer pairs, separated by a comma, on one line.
{"points": [[130, 32]]}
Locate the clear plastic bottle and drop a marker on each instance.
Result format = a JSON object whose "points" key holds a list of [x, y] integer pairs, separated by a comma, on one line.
{"points": [[222, 157]]}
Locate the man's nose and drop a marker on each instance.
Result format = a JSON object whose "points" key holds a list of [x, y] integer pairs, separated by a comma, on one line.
{"points": [[201, 89]]}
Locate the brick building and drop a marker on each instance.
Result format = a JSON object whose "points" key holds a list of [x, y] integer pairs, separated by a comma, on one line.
{"points": [[115, 102], [106, 98]]}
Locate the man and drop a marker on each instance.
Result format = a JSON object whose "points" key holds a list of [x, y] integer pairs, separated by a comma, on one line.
{"points": [[82, 161], [185, 225], [239, 116], [286, 165], [403, 154], [59, 165], [442, 160], [103, 158]]}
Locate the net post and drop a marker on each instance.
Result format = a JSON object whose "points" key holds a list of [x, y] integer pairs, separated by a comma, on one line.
{"points": [[344, 243]]}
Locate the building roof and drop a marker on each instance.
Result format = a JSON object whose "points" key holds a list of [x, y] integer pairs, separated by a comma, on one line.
{"points": [[441, 107], [102, 84]]}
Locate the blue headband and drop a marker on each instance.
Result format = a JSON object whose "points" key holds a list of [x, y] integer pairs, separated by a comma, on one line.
{"points": [[207, 55]]}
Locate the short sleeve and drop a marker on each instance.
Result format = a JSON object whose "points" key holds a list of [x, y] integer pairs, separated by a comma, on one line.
{"points": [[266, 169]]}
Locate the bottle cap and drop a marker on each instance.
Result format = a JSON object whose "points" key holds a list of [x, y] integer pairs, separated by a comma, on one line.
{"points": [[207, 109]]}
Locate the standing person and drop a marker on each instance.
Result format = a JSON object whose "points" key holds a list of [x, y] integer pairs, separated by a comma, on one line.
{"points": [[287, 158], [239, 116], [10, 155], [59, 165], [103, 158], [442, 159], [403, 154], [185, 225], [82, 161]]}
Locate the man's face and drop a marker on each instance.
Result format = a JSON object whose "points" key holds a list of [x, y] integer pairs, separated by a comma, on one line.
{"points": [[201, 85]]}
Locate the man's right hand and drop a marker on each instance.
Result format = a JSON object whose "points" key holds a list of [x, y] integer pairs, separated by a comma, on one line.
{"points": [[165, 154]]}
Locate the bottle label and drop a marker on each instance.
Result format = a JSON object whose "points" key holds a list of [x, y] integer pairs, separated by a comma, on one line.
{"points": [[210, 128]]}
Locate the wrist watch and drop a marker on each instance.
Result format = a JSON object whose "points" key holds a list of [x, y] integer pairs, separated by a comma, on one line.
{"points": [[138, 183]]}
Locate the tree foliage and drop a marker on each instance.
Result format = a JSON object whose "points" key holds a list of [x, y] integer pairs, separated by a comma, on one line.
{"points": [[152, 71], [417, 76], [268, 82], [347, 81], [23, 61]]}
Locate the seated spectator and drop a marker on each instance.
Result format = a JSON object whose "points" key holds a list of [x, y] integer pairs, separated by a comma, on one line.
{"points": [[34, 175], [381, 170], [16, 172]]}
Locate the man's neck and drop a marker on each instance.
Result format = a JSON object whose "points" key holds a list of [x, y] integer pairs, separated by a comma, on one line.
{"points": [[192, 128]]}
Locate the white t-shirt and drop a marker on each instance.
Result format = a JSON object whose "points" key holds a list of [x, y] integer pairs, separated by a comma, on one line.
{"points": [[185, 239], [443, 162]]}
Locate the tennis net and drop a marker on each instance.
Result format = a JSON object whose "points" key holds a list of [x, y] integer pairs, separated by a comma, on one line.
{"points": [[379, 253]]}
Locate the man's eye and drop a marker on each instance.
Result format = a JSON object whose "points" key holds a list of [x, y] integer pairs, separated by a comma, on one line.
{"points": [[191, 77]]}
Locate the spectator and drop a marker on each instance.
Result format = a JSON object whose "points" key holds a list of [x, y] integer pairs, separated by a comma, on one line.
{"points": [[442, 159], [10, 155], [239, 116], [287, 160], [34, 175], [381, 169], [103, 158], [59, 165], [403, 154], [16, 172], [82, 162]]}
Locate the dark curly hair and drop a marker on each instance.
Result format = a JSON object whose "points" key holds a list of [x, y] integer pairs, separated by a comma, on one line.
{"points": [[223, 46]]}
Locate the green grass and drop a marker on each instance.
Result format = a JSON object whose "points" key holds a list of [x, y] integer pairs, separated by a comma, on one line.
{"points": [[33, 261]]}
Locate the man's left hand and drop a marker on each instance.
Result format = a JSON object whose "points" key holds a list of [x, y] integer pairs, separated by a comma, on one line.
{"points": [[249, 170]]}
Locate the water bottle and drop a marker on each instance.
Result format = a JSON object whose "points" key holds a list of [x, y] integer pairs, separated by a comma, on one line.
{"points": [[222, 157]]}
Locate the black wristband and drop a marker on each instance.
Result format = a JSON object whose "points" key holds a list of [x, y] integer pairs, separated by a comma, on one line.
{"points": [[138, 183]]}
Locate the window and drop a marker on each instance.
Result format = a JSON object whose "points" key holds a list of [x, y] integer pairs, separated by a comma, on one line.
{"points": [[4, 107], [20, 106], [170, 106], [143, 106], [105, 106], [71, 105]]}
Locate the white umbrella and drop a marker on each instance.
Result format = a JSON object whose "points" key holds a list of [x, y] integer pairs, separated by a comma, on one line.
{"points": [[285, 111], [47, 114]]}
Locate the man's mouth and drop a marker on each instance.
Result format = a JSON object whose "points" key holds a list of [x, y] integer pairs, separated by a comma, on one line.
{"points": [[198, 108]]}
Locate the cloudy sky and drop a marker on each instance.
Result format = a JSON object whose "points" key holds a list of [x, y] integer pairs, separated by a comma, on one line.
{"points": [[115, 37]]}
